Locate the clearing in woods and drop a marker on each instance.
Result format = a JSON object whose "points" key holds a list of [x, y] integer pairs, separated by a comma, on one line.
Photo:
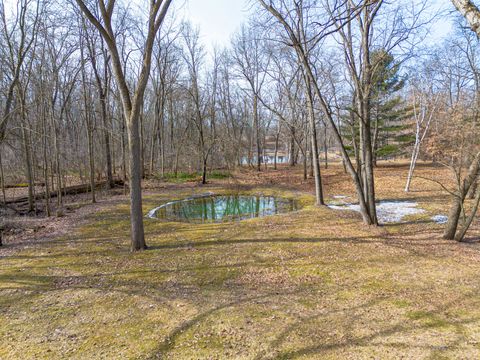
{"points": [[314, 283]]}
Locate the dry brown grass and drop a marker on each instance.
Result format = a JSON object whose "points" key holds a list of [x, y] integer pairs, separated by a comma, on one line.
{"points": [[313, 284]]}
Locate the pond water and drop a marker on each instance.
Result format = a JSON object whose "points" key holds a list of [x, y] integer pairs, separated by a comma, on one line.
{"points": [[220, 208]]}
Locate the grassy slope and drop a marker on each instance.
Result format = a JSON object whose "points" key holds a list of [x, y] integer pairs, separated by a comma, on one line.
{"points": [[311, 284]]}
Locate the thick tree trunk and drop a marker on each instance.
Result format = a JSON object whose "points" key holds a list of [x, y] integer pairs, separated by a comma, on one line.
{"points": [[132, 102], [135, 183], [461, 234], [453, 219], [456, 209]]}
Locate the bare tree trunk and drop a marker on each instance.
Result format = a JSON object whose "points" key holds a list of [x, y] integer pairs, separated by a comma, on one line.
{"points": [[175, 165], [88, 128], [305, 166], [28, 167], [103, 91], [257, 131], [277, 136], [355, 145], [265, 158], [106, 136], [375, 141], [2, 178], [420, 119], [456, 209], [45, 163], [204, 171], [162, 140], [114, 153], [34, 176], [292, 147], [325, 146], [91, 158], [58, 175], [369, 175], [413, 163], [132, 102], [461, 234], [124, 153], [141, 142], [314, 146], [135, 182], [155, 135]]}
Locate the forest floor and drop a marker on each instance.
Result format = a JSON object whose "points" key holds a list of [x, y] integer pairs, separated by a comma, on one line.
{"points": [[311, 284]]}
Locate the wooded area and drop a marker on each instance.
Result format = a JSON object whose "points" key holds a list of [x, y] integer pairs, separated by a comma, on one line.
{"points": [[99, 94]]}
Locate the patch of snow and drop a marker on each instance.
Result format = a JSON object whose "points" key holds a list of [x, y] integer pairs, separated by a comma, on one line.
{"points": [[340, 197], [440, 219], [151, 214], [387, 211]]}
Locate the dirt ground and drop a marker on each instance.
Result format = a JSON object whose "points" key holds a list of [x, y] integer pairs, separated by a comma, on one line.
{"points": [[311, 284]]}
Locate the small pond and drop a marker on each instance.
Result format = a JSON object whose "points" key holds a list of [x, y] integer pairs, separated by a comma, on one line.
{"points": [[220, 208]]}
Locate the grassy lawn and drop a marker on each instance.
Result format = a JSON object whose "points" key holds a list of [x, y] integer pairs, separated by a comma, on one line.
{"points": [[312, 284]]}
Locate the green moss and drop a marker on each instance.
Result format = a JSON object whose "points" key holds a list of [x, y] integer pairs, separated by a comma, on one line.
{"points": [[428, 318], [401, 303], [181, 177], [308, 284], [217, 174]]}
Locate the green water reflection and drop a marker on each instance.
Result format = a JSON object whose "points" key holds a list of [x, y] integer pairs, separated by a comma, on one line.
{"points": [[221, 208]]}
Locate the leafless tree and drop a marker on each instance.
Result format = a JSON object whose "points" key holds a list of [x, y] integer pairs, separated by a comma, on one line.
{"points": [[132, 100]]}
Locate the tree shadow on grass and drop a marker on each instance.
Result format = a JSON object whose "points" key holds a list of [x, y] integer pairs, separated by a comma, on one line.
{"points": [[164, 294], [398, 328], [350, 317]]}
